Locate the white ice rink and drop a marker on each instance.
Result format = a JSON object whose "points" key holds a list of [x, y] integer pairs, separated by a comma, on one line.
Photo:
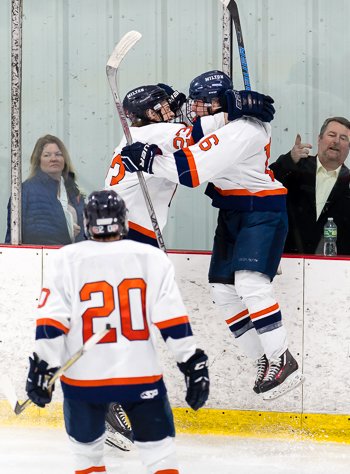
{"points": [[39, 451]]}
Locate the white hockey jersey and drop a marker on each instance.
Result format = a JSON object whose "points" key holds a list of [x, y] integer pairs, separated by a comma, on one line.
{"points": [[235, 160], [169, 137], [129, 285]]}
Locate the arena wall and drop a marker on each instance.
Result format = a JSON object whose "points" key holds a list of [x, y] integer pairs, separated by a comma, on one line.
{"points": [[315, 300]]}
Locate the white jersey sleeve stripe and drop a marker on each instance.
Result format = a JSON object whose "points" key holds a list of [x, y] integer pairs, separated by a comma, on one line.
{"points": [[172, 322], [46, 323]]}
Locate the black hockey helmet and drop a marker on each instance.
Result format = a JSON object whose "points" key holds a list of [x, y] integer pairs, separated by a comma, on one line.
{"points": [[209, 85], [105, 215], [177, 102], [139, 100], [206, 87]]}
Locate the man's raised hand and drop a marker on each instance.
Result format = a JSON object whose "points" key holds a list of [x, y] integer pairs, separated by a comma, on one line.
{"points": [[300, 150]]}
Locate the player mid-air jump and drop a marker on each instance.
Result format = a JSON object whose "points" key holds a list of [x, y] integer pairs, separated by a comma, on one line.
{"points": [[252, 221]]}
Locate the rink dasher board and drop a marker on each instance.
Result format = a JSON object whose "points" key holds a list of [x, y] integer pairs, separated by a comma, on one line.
{"points": [[313, 297], [241, 423]]}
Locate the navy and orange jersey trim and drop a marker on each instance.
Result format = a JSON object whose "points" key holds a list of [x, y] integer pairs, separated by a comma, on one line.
{"points": [[237, 317], [141, 234], [240, 323], [186, 168], [243, 200], [197, 131], [146, 379], [267, 319], [176, 328], [47, 328], [114, 389]]}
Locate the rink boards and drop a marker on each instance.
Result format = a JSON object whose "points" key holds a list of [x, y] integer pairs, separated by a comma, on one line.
{"points": [[314, 296]]}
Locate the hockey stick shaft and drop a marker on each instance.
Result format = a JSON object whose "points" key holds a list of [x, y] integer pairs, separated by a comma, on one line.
{"points": [[9, 390], [232, 7], [119, 52]]}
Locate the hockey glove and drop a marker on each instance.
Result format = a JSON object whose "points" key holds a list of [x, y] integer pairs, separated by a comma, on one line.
{"points": [[139, 157], [249, 103], [197, 379], [37, 380], [176, 98]]}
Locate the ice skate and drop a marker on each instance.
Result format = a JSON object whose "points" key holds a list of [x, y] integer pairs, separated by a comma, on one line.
{"points": [[283, 375], [118, 431], [262, 369]]}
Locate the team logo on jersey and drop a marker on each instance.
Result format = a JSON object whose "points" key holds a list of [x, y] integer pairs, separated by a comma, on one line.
{"points": [[149, 394]]}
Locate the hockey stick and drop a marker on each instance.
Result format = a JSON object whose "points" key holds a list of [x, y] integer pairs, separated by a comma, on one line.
{"points": [[113, 63], [232, 7], [9, 391]]}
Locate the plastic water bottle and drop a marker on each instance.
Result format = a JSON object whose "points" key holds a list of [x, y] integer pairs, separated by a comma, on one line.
{"points": [[330, 238]]}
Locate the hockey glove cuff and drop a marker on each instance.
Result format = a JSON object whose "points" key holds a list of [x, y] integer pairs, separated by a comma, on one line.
{"points": [[37, 381], [139, 157], [196, 378], [249, 103]]}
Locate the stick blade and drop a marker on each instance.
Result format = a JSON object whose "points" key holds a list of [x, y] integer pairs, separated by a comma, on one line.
{"points": [[19, 408], [122, 47]]}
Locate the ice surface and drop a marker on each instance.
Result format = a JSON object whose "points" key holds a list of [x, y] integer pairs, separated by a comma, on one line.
{"points": [[39, 451]]}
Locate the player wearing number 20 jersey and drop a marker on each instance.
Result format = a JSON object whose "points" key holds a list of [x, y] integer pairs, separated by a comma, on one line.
{"points": [[95, 283], [130, 286]]}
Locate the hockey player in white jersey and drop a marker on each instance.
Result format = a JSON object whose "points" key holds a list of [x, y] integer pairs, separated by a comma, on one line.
{"points": [[150, 110], [109, 279], [252, 225], [156, 116]]}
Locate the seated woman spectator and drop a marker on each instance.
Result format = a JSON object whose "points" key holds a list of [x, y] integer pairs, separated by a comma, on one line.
{"points": [[52, 204]]}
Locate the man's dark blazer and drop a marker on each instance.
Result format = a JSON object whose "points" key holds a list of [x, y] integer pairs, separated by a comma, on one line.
{"points": [[305, 232]]}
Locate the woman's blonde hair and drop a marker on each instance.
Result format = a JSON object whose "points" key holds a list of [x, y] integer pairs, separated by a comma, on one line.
{"points": [[37, 152]]}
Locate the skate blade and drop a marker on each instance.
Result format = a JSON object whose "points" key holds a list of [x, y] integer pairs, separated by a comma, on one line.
{"points": [[291, 382], [117, 440]]}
